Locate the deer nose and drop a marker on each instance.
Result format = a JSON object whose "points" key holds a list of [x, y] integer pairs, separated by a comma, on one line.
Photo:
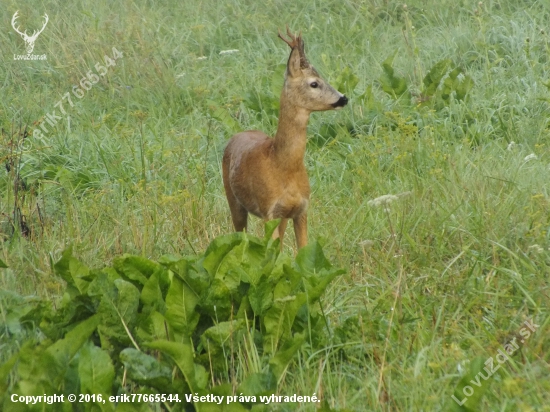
{"points": [[342, 101]]}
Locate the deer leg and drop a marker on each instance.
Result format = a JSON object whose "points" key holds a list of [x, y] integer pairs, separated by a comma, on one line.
{"points": [[239, 215], [280, 231], [300, 230]]}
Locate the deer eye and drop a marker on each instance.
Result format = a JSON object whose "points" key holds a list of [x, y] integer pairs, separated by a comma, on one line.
{"points": [[314, 85]]}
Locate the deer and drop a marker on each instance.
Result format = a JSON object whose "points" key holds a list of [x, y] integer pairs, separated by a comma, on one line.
{"points": [[29, 40], [266, 176]]}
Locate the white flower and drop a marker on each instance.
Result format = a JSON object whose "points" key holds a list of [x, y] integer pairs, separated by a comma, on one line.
{"points": [[201, 58], [511, 145], [532, 156], [231, 51], [385, 200], [382, 200], [366, 243], [536, 248]]}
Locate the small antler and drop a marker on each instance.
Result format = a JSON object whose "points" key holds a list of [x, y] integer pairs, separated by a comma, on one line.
{"points": [[296, 42]]}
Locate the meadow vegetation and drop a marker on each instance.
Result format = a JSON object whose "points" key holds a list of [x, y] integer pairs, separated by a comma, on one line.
{"points": [[448, 113]]}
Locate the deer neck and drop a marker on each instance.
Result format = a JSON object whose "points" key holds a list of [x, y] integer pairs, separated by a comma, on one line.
{"points": [[290, 140]]}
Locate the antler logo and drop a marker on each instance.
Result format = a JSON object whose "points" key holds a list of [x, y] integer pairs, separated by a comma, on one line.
{"points": [[29, 40]]}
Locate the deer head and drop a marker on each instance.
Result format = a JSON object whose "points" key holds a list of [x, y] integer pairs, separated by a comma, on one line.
{"points": [[29, 40], [303, 85]]}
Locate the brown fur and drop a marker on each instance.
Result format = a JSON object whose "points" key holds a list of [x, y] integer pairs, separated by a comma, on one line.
{"points": [[267, 177]]}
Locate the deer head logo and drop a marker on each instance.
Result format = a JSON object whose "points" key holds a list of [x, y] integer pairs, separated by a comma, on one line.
{"points": [[29, 40]]}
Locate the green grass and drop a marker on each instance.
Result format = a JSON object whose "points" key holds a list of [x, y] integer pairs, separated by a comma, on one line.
{"points": [[444, 275]]}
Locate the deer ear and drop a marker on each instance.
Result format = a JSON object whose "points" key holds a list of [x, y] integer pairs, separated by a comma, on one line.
{"points": [[293, 67]]}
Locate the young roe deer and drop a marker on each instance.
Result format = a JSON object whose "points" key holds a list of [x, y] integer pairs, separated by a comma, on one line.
{"points": [[267, 176]]}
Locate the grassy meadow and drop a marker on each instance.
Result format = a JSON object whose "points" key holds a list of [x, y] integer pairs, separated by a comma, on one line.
{"points": [[443, 272]]}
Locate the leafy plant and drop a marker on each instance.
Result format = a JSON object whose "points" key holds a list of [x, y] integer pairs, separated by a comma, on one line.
{"points": [[172, 326], [392, 84], [266, 100], [471, 379], [442, 80], [346, 82]]}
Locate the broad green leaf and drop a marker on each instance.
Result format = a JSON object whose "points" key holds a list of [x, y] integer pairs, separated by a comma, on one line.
{"points": [[181, 303], [100, 285], [5, 370], [262, 102], [458, 82], [316, 285], [135, 268], [346, 81], [179, 267], [269, 228], [258, 383], [169, 259], [73, 272], [183, 356], [218, 248], [232, 267], [65, 349], [221, 340], [463, 86], [235, 257], [291, 279], [311, 259], [153, 326], [21, 313], [217, 302], [369, 102], [221, 334], [288, 298], [191, 271], [62, 266], [96, 373], [152, 292], [434, 76], [2, 264], [394, 85], [475, 379], [146, 370], [260, 295], [282, 358], [118, 311], [42, 369], [279, 319], [222, 115], [38, 372]]}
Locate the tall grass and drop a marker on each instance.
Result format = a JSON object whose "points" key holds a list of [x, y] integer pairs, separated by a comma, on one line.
{"points": [[445, 273]]}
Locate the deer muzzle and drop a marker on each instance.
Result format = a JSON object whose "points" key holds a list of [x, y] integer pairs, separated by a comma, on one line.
{"points": [[342, 101]]}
